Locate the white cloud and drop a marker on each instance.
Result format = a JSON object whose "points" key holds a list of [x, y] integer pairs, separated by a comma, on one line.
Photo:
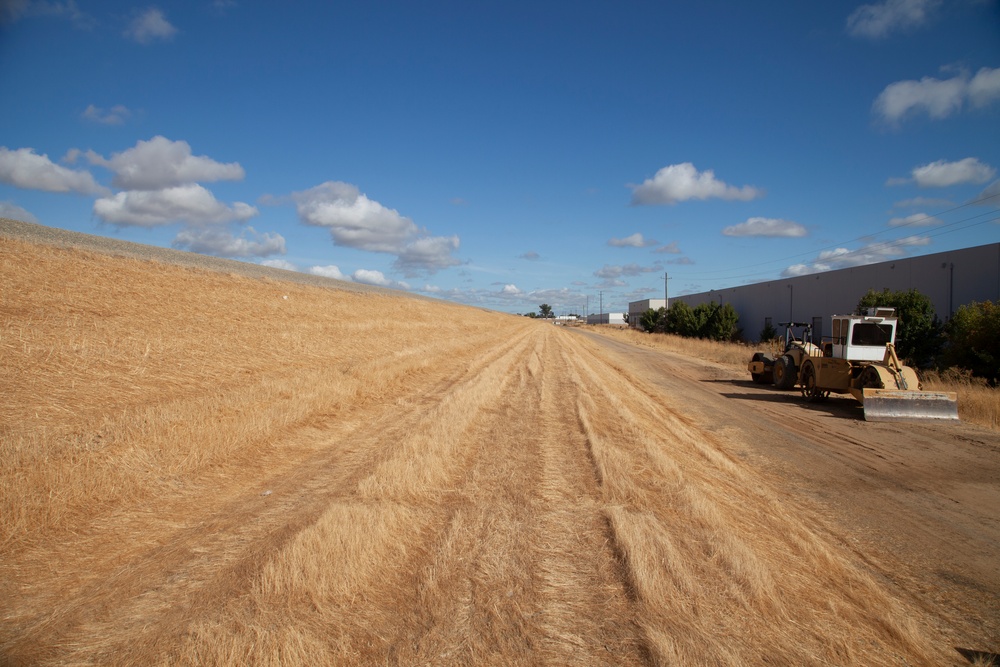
{"points": [[12, 211], [938, 98], [878, 20], [984, 88], [279, 264], [355, 221], [149, 26], [609, 271], [162, 163], [943, 174], [915, 220], [773, 227], [222, 242], [116, 115], [633, 241], [23, 168], [511, 289], [184, 203], [377, 278], [669, 249], [427, 254], [842, 258], [329, 271], [680, 182]]}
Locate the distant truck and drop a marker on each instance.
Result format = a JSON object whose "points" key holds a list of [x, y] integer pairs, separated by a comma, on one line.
{"points": [[858, 358]]}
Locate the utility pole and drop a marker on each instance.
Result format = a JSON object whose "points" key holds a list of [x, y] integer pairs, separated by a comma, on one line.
{"points": [[666, 292], [601, 318]]}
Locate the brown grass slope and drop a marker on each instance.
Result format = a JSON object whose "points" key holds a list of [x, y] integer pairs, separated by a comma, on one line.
{"points": [[205, 468]]}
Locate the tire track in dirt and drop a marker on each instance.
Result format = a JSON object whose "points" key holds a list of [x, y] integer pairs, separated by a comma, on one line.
{"points": [[520, 572], [712, 551], [202, 560], [356, 594]]}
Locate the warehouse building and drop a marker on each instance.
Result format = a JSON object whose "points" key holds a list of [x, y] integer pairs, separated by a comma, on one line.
{"points": [[948, 279], [615, 319], [637, 308]]}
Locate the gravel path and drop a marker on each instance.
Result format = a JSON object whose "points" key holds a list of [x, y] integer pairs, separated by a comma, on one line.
{"points": [[60, 237]]}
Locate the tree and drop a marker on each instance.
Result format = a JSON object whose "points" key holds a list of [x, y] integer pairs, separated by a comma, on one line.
{"points": [[719, 322], [545, 310], [768, 332], [680, 320], [653, 320], [973, 335], [919, 334]]}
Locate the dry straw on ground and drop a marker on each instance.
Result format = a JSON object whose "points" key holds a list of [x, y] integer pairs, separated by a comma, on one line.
{"points": [[201, 468]]}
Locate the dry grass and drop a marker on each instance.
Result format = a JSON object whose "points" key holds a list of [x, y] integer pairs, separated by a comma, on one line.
{"points": [[206, 469], [978, 403]]}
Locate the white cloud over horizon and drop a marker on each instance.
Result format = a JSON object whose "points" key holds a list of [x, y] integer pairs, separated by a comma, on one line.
{"points": [[355, 221], [223, 243], [842, 258], [12, 211], [681, 182], [160, 163], [938, 98], [329, 271], [378, 279], [770, 227], [185, 203], [23, 168], [279, 264]]}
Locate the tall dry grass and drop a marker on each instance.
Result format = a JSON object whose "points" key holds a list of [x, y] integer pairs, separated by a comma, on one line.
{"points": [[978, 403], [450, 486], [124, 377]]}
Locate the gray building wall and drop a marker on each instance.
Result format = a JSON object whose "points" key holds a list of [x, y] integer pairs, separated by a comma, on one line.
{"points": [[948, 279]]}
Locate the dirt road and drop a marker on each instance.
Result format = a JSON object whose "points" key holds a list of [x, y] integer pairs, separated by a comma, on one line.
{"points": [[541, 496], [922, 501]]}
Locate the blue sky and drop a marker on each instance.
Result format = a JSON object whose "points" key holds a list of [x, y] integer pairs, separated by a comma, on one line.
{"points": [[510, 154]]}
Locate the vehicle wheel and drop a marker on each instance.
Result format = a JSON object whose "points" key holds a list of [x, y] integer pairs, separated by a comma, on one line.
{"points": [[784, 372], [870, 379], [809, 389], [765, 377]]}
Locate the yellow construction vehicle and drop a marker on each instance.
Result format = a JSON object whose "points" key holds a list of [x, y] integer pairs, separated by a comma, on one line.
{"points": [[858, 358]]}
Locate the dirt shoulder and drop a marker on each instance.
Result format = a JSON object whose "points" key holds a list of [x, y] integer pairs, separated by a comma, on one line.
{"points": [[921, 500]]}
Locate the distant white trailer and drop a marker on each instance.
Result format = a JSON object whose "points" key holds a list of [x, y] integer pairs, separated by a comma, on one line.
{"points": [[615, 319]]}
